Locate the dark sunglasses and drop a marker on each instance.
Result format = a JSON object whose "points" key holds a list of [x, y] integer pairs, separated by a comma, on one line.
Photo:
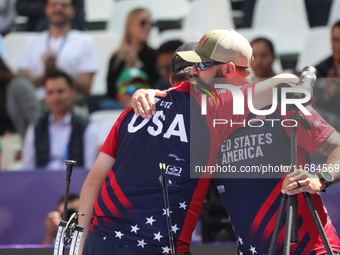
{"points": [[335, 40], [131, 88], [206, 65], [146, 23]]}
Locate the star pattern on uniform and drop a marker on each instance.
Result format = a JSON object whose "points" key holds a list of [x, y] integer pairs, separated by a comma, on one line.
{"points": [[166, 249], [241, 253], [141, 243], [183, 205], [252, 249], [174, 228], [239, 240], [150, 220], [158, 236], [164, 212], [119, 234], [135, 228]]}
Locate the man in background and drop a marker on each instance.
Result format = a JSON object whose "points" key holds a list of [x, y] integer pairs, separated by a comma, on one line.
{"points": [[61, 48], [37, 21], [53, 218], [60, 134]]}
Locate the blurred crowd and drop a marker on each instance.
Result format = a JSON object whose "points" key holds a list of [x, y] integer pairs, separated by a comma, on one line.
{"points": [[46, 101]]}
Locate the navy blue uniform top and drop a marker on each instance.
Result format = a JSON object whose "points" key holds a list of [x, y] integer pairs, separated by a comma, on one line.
{"points": [[130, 207], [253, 203]]}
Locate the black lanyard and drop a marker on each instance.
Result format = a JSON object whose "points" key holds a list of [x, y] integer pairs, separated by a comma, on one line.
{"points": [[61, 46]]}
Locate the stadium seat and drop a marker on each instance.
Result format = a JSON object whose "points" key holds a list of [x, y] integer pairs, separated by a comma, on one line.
{"points": [[11, 146], [173, 34], [317, 47], [334, 14], [206, 15], [168, 10], [104, 119], [98, 11], [203, 16], [105, 45], [289, 20], [100, 117]]}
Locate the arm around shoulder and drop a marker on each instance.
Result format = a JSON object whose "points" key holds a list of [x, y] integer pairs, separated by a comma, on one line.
{"points": [[263, 91]]}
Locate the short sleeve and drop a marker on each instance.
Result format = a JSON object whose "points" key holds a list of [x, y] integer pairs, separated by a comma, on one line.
{"points": [[110, 145], [25, 58], [89, 63]]}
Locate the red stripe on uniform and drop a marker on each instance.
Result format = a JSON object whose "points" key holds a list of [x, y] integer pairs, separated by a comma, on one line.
{"points": [[118, 191], [269, 228], [264, 208], [192, 216], [108, 202], [95, 221]]}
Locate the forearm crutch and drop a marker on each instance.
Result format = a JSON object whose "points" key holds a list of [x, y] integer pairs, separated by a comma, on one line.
{"points": [[68, 230]]}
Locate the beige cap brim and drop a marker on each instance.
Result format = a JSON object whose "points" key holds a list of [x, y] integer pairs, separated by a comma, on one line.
{"points": [[193, 57]]}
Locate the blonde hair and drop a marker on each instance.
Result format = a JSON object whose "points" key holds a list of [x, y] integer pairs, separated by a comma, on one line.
{"points": [[129, 20], [127, 31]]}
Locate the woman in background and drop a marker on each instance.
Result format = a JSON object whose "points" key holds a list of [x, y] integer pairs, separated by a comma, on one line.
{"points": [[264, 57], [134, 51]]}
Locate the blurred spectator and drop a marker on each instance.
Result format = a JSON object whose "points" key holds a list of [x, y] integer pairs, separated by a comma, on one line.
{"points": [[18, 104], [7, 15], [133, 51], [328, 89], [331, 65], [60, 48], [129, 81], [164, 55], [37, 21], [317, 12], [60, 134], [2, 49], [264, 57], [53, 218]]}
